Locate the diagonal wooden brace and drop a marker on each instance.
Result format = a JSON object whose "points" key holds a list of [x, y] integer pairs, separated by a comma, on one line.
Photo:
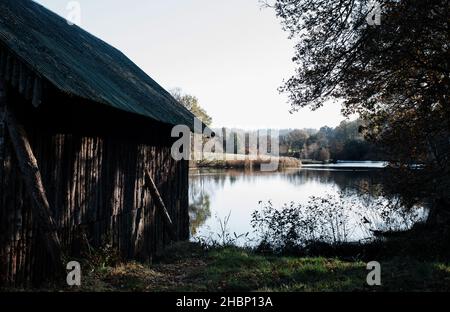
{"points": [[33, 182], [160, 205]]}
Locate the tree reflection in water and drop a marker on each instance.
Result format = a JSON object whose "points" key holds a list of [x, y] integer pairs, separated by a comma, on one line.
{"points": [[199, 211], [199, 204], [217, 192]]}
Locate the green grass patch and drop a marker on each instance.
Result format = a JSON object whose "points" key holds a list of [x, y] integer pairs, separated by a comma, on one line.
{"points": [[188, 267], [234, 269]]}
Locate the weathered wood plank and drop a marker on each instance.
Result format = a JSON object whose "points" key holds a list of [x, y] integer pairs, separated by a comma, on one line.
{"points": [[160, 204], [2, 132], [97, 185], [33, 181]]}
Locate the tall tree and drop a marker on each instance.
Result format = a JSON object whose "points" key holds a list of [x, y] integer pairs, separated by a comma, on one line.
{"points": [[191, 103], [395, 75], [296, 140]]}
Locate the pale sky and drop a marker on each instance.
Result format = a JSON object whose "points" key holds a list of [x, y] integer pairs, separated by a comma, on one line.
{"points": [[232, 55]]}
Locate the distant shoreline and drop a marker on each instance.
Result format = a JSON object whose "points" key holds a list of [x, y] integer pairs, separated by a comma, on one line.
{"points": [[240, 161]]}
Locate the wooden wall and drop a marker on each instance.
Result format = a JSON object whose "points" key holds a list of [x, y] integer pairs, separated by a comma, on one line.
{"points": [[95, 187]]}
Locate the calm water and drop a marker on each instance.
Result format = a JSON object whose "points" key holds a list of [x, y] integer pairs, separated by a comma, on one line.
{"points": [[215, 194]]}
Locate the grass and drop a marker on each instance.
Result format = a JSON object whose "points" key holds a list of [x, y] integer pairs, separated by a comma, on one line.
{"points": [[233, 269], [189, 267], [223, 161], [416, 260]]}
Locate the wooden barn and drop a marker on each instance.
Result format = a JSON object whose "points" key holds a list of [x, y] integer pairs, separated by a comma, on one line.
{"points": [[85, 149]]}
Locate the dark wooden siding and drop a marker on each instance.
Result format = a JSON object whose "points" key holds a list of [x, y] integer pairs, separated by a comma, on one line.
{"points": [[95, 187]]}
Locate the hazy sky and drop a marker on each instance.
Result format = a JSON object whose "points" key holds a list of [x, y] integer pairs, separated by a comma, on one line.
{"points": [[232, 55]]}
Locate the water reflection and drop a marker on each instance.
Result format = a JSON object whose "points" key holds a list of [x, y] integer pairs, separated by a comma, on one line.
{"points": [[199, 206], [216, 193]]}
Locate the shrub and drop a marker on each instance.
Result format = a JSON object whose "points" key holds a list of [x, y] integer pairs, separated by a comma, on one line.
{"points": [[322, 219], [332, 220]]}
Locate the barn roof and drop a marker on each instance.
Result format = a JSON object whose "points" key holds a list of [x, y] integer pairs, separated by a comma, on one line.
{"points": [[80, 64]]}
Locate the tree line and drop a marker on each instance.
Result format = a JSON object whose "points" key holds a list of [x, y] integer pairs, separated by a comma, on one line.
{"points": [[344, 142]]}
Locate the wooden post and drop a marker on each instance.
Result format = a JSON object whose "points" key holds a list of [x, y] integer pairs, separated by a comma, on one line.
{"points": [[33, 182], [2, 131], [2, 144], [160, 204]]}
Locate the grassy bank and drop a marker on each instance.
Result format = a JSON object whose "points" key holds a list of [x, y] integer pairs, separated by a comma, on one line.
{"points": [[189, 267], [415, 260], [239, 161]]}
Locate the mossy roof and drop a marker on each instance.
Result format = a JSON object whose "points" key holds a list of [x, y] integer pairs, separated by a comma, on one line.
{"points": [[82, 65]]}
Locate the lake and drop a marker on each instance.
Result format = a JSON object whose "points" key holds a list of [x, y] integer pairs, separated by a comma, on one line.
{"points": [[217, 194]]}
